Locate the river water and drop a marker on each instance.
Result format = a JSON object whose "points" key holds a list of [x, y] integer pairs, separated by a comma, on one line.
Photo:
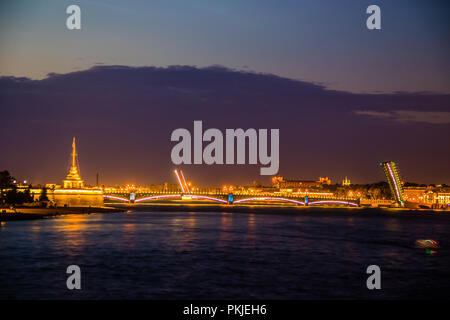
{"points": [[315, 254]]}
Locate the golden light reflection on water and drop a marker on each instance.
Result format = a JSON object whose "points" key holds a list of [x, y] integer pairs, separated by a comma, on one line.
{"points": [[251, 227], [184, 236], [392, 225], [226, 221], [350, 250], [191, 220], [72, 223], [71, 233], [251, 222], [128, 235], [226, 225], [35, 231], [190, 234], [351, 222]]}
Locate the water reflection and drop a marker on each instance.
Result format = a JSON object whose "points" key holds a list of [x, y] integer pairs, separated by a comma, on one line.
{"points": [[184, 234], [70, 233], [128, 236], [225, 228], [350, 222], [251, 227], [191, 220], [150, 255], [392, 225], [190, 233]]}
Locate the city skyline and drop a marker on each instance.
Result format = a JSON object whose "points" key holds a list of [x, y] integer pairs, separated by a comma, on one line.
{"points": [[343, 97], [235, 158], [124, 116], [75, 172]]}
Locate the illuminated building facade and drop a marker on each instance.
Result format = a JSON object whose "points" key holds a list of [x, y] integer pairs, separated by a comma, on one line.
{"points": [[282, 183], [431, 197], [325, 180], [346, 182], [442, 197], [74, 193], [418, 194], [393, 179]]}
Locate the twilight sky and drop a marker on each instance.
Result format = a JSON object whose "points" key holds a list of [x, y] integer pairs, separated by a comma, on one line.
{"points": [[343, 97], [323, 41]]}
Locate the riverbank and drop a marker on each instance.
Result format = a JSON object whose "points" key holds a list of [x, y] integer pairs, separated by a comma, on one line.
{"points": [[41, 213]]}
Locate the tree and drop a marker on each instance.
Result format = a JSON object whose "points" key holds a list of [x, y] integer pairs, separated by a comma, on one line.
{"points": [[6, 182], [43, 197], [27, 197], [14, 197]]}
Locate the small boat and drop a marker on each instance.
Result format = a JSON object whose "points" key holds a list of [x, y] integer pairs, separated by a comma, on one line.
{"points": [[427, 244]]}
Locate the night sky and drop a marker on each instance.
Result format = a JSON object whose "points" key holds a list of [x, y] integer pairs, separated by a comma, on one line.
{"points": [[344, 98]]}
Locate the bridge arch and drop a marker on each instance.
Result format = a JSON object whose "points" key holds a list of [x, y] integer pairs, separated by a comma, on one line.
{"points": [[163, 196], [333, 201], [269, 199], [209, 198], [116, 198]]}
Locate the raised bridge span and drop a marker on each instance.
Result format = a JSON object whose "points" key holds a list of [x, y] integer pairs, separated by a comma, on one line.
{"points": [[228, 198]]}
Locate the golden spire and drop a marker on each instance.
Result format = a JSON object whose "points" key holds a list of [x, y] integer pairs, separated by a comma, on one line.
{"points": [[74, 153], [73, 179]]}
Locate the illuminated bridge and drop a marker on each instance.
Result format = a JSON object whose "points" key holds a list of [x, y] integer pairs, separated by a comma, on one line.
{"points": [[227, 198], [238, 198]]}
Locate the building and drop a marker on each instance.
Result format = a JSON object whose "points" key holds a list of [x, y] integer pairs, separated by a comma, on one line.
{"points": [[73, 193], [73, 179], [282, 183], [431, 197], [442, 197], [325, 180], [346, 182], [418, 195]]}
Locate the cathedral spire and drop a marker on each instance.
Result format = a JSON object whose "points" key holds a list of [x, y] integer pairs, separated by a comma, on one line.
{"points": [[74, 153], [73, 179]]}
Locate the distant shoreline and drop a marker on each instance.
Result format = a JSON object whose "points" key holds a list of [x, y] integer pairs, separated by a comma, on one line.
{"points": [[23, 213]]}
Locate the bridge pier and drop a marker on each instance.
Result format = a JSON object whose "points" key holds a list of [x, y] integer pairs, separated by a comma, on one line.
{"points": [[230, 198], [306, 200]]}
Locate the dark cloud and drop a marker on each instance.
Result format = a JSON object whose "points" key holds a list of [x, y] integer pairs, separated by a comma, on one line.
{"points": [[429, 117], [123, 117]]}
